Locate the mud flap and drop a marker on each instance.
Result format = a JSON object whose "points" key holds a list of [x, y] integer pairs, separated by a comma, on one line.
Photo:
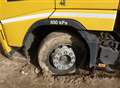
{"points": [[93, 44], [28, 42]]}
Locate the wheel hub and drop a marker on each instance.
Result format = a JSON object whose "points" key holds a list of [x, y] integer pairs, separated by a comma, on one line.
{"points": [[63, 58]]}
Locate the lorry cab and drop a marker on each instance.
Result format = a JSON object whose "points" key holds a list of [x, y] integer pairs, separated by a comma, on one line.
{"points": [[64, 30]]}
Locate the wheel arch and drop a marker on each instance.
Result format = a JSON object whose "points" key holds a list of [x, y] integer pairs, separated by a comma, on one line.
{"points": [[47, 22], [77, 26], [71, 24]]}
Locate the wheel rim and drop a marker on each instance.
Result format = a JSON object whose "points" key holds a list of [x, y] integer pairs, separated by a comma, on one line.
{"points": [[63, 57]]}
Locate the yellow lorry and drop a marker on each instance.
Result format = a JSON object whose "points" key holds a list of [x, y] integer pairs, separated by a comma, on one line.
{"points": [[64, 35]]}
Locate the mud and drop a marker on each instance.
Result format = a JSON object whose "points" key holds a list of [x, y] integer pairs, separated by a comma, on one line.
{"points": [[17, 73]]}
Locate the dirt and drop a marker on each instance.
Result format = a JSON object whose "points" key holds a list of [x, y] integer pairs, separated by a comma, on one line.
{"points": [[17, 73]]}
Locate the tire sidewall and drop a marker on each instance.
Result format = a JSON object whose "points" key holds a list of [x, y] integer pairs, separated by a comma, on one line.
{"points": [[49, 45]]}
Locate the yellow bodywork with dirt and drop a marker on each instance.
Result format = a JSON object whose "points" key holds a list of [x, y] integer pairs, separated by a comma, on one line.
{"points": [[3, 41], [17, 16]]}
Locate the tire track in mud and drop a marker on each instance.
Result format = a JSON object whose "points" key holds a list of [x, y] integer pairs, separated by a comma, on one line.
{"points": [[19, 74]]}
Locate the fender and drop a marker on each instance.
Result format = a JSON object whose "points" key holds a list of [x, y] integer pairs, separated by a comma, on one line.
{"points": [[60, 22], [90, 38], [52, 22]]}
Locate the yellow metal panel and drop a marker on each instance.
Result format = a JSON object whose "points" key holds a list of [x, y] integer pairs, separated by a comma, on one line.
{"points": [[1, 13], [97, 20], [0, 27], [16, 28], [19, 15], [22, 7], [89, 4], [3, 41]]}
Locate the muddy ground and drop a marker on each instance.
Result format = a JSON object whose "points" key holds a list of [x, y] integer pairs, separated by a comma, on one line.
{"points": [[16, 73]]}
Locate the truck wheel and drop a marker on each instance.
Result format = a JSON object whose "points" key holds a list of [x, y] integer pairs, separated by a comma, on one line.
{"points": [[60, 52]]}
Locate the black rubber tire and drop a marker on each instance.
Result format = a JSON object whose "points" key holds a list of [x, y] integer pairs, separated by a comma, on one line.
{"points": [[53, 40]]}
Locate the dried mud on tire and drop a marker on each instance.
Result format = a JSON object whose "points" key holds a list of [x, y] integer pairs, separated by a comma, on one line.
{"points": [[17, 73]]}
